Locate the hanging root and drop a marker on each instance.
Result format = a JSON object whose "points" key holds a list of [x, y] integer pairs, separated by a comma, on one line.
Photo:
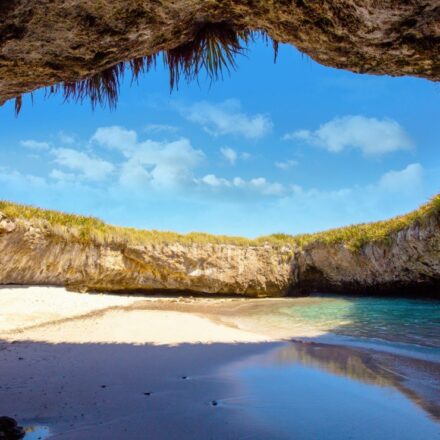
{"points": [[17, 104], [213, 49]]}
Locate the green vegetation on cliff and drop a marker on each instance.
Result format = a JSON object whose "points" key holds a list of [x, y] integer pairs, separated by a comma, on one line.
{"points": [[355, 236], [93, 230]]}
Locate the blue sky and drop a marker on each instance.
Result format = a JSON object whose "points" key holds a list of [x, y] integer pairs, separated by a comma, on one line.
{"points": [[288, 147]]}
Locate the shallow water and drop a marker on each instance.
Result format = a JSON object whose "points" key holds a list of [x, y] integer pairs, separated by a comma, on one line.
{"points": [[37, 432], [304, 391], [409, 326], [328, 386], [332, 385]]}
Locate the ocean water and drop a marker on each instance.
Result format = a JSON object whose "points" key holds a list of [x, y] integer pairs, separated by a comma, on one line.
{"points": [[401, 325], [36, 432], [347, 368], [311, 393], [351, 368]]}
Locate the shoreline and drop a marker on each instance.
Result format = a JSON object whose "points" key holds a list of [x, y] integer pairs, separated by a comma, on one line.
{"points": [[91, 365], [107, 366], [56, 315]]}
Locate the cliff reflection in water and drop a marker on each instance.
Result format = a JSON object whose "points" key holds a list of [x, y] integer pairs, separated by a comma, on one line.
{"points": [[307, 390], [417, 379]]}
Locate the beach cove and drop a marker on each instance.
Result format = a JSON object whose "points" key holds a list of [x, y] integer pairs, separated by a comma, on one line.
{"points": [[111, 366]]}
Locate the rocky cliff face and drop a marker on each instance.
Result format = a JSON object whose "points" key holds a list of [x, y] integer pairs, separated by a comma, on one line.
{"points": [[45, 42], [409, 262], [30, 254]]}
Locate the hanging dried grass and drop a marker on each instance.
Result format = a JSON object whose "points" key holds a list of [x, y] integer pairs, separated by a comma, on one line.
{"points": [[213, 49]]}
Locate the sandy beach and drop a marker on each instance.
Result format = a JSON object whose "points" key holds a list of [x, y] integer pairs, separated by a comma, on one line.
{"points": [[55, 315], [86, 364], [89, 366]]}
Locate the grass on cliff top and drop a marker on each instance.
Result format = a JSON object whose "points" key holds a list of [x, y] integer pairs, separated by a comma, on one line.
{"points": [[93, 230], [356, 236]]}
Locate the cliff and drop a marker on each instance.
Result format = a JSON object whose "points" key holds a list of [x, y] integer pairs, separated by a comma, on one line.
{"points": [[46, 42], [400, 256], [406, 262], [33, 253]]}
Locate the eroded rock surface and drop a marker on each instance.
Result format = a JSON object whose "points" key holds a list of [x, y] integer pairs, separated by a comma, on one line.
{"points": [[408, 262], [31, 254], [48, 41]]}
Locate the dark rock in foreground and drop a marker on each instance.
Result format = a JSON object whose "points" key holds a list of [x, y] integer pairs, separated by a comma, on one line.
{"points": [[43, 43], [9, 429]]}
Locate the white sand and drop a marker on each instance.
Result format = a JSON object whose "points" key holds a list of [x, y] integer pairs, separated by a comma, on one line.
{"points": [[119, 367], [83, 364], [54, 315]]}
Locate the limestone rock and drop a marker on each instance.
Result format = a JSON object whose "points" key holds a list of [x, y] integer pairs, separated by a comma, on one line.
{"points": [[6, 225], [408, 262], [43, 42]]}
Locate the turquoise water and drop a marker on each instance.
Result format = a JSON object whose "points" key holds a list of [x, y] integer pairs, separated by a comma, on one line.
{"points": [[329, 389], [327, 383], [394, 320], [404, 324]]}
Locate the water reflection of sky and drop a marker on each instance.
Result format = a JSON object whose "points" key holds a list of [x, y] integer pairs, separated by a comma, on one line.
{"points": [[36, 432], [308, 392]]}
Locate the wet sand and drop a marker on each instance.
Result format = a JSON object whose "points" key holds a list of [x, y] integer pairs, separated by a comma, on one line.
{"points": [[105, 366]]}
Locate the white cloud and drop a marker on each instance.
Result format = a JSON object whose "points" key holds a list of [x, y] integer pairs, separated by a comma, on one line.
{"points": [[20, 180], [143, 171], [259, 185], [115, 137], [286, 164], [229, 154], [370, 135], [227, 118], [163, 164], [160, 164], [134, 175], [214, 181], [65, 138], [407, 180], [160, 128], [298, 134], [90, 168], [172, 165], [35, 145], [202, 201], [62, 176]]}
